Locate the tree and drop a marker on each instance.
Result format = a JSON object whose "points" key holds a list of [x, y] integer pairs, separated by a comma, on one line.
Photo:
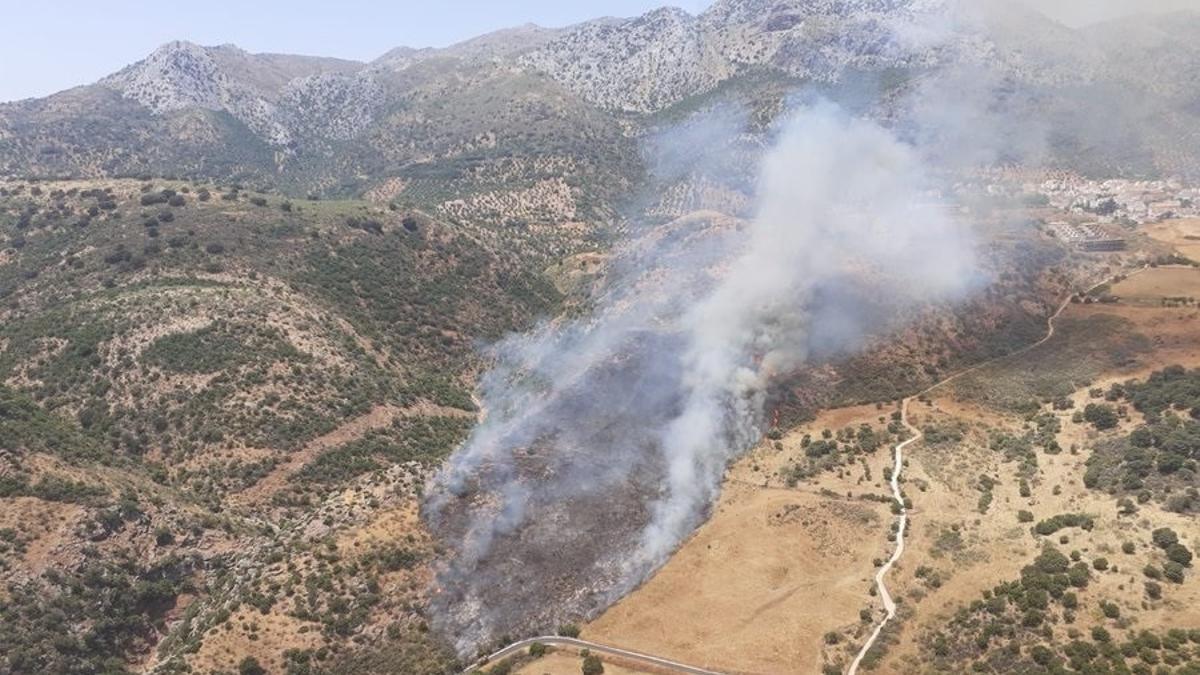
{"points": [[251, 666], [1180, 554], [1164, 537], [537, 650], [1173, 571], [1100, 416], [569, 630], [592, 665], [1110, 609]]}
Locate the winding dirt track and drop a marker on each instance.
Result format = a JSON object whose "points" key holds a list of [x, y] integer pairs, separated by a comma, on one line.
{"points": [[888, 604], [902, 520]]}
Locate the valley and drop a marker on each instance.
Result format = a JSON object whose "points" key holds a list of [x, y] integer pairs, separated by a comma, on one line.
{"points": [[784, 336]]}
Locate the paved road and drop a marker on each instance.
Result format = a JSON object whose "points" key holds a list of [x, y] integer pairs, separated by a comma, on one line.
{"points": [[595, 648]]}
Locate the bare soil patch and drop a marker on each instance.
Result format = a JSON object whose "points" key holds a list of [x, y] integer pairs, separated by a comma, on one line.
{"points": [[758, 586]]}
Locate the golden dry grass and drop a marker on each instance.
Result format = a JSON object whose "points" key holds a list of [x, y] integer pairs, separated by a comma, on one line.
{"points": [[755, 590], [1182, 233], [773, 571], [1152, 286]]}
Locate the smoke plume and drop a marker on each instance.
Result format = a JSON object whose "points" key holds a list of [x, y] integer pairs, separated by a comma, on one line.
{"points": [[605, 437], [627, 418]]}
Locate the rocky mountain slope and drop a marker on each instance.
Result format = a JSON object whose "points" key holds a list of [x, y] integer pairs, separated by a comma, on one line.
{"points": [[217, 408], [515, 107]]}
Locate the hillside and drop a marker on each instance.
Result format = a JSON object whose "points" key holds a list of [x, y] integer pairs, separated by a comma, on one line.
{"points": [[199, 383], [315, 366], [519, 109]]}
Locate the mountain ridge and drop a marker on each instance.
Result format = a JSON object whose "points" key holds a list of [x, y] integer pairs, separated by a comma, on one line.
{"points": [[315, 124]]}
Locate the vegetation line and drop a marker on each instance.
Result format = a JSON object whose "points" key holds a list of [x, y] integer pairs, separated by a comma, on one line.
{"points": [[889, 605]]}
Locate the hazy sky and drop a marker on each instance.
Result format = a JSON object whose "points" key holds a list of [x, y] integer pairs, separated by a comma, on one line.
{"points": [[49, 45], [1079, 12]]}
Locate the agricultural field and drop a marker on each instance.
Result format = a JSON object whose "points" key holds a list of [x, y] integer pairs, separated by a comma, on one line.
{"points": [[1181, 234]]}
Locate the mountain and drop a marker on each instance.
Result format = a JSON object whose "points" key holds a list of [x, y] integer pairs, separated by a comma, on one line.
{"points": [[242, 298], [523, 107]]}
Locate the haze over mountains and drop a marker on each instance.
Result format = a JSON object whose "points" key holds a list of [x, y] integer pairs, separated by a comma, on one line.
{"points": [[506, 106]]}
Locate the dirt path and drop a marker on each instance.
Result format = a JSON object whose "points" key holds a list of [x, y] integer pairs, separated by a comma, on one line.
{"points": [[378, 417], [888, 604]]}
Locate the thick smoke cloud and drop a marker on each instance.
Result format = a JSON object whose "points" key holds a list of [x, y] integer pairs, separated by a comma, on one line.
{"points": [[646, 400], [838, 196], [606, 436]]}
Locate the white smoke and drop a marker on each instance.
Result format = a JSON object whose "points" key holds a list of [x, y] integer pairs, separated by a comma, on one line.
{"points": [[839, 197], [626, 419]]}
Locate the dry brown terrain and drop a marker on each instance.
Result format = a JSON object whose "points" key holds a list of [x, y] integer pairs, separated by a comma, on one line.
{"points": [[992, 548], [1154, 286], [776, 569], [1183, 234], [773, 571]]}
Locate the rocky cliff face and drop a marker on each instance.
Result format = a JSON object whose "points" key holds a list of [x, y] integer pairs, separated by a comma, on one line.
{"points": [[274, 96], [319, 124]]}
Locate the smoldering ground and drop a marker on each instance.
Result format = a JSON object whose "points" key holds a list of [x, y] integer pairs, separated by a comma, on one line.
{"points": [[605, 437]]}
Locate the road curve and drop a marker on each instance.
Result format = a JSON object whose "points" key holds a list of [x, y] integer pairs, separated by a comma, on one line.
{"points": [[595, 648]]}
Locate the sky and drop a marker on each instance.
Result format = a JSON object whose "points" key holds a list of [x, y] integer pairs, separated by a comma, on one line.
{"points": [[50, 45]]}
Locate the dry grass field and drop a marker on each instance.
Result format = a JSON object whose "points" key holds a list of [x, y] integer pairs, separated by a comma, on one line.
{"points": [[760, 588], [1183, 234], [1154, 286], [776, 569]]}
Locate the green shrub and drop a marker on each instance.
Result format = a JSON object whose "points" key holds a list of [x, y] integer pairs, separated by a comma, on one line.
{"points": [[1100, 416], [1064, 520], [1164, 537], [1173, 572], [251, 666], [1110, 609], [1180, 554], [592, 665]]}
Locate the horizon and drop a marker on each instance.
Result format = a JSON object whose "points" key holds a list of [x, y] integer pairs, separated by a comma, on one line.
{"points": [[103, 40]]}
